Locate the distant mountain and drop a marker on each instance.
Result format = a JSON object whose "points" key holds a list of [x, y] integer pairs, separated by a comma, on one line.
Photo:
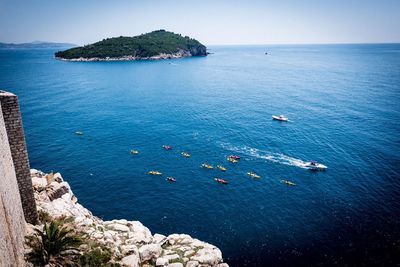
{"points": [[36, 44], [159, 44]]}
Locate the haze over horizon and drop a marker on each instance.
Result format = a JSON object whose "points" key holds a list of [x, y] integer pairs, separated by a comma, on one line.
{"points": [[212, 23]]}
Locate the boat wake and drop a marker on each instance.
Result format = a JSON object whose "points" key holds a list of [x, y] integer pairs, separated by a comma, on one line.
{"points": [[266, 155]]}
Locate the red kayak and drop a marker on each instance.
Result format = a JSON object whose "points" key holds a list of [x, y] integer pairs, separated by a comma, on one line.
{"points": [[221, 181], [171, 179], [167, 147]]}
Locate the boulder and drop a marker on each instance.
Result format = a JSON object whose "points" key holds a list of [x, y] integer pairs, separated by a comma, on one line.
{"points": [[162, 262], [192, 264], [57, 193], [149, 252], [119, 227], [175, 264], [210, 256], [159, 239], [131, 261], [39, 183]]}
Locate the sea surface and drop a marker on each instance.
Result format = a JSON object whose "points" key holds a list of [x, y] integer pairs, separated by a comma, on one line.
{"points": [[343, 104]]}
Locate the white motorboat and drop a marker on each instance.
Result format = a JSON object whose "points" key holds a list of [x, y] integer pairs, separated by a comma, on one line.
{"points": [[315, 166], [280, 118]]}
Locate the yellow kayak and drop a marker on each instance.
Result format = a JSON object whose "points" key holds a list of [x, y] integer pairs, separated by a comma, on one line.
{"points": [[288, 182], [253, 175], [134, 152], [206, 166], [221, 168], [185, 154], [231, 160], [154, 173]]}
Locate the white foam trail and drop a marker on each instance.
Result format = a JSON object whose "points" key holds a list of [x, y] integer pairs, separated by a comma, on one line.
{"points": [[267, 155]]}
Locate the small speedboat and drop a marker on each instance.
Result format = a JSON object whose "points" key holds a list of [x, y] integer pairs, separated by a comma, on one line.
{"points": [[154, 173], [280, 118], [167, 147], [171, 179], [231, 160], [315, 166], [206, 166], [185, 154], [253, 175], [288, 182], [221, 168], [221, 181], [234, 157], [134, 152]]}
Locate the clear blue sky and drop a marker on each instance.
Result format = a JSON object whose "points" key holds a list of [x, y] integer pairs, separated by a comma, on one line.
{"points": [[209, 21]]}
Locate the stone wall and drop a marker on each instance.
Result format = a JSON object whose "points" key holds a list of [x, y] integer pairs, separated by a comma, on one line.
{"points": [[12, 223], [16, 140]]}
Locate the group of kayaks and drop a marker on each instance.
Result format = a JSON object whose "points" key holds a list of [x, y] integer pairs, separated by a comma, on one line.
{"points": [[312, 165]]}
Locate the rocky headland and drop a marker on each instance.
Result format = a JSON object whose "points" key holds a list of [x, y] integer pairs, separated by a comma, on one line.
{"points": [[130, 242]]}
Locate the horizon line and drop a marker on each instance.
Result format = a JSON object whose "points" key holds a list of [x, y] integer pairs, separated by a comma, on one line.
{"points": [[242, 44]]}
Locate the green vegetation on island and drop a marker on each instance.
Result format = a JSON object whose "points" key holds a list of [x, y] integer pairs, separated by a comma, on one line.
{"points": [[154, 45]]}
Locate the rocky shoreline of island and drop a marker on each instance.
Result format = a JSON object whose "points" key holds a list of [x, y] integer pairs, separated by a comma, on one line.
{"points": [[130, 242], [180, 54]]}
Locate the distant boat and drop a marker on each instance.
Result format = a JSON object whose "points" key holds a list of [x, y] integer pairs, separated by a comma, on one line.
{"points": [[280, 118], [154, 173], [221, 181], [266, 53], [206, 166], [171, 179], [288, 182], [253, 175], [315, 166], [79, 133]]}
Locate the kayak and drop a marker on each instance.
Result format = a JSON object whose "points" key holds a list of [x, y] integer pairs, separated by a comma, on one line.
{"points": [[221, 168], [134, 152], [315, 166], [167, 147], [79, 133], [221, 181], [185, 154], [253, 175], [154, 173], [231, 160], [171, 179], [234, 157], [288, 182], [206, 166], [280, 118]]}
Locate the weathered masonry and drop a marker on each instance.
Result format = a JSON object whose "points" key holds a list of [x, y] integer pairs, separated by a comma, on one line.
{"points": [[16, 140]]}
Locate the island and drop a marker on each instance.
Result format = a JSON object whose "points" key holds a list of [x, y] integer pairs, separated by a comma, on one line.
{"points": [[155, 45]]}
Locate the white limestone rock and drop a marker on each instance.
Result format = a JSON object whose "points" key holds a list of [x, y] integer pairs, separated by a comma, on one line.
{"points": [[192, 264], [159, 239], [175, 264], [39, 183], [131, 261], [210, 256], [162, 262], [149, 252], [119, 227]]}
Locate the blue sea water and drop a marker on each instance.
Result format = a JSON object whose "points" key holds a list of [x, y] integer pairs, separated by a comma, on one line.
{"points": [[343, 105]]}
